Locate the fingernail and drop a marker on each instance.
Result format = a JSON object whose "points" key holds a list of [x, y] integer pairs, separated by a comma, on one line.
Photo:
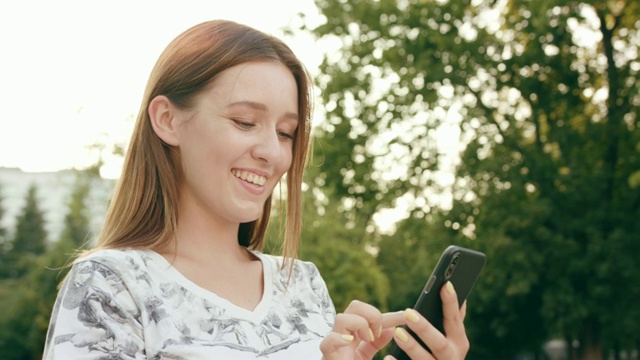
{"points": [[347, 338], [401, 334], [450, 288], [380, 331], [373, 338], [411, 315]]}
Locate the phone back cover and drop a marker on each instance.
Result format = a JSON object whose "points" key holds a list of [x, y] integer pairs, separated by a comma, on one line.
{"points": [[463, 278], [429, 303]]}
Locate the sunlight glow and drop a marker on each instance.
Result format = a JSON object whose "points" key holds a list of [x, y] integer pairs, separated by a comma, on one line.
{"points": [[73, 72]]}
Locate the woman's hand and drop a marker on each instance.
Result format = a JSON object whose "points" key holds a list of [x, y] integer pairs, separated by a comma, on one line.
{"points": [[453, 346], [360, 332]]}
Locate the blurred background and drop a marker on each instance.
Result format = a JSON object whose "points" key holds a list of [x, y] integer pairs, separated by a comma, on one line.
{"points": [[506, 126]]}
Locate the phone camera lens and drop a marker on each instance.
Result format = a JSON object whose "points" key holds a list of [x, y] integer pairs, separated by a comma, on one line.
{"points": [[452, 266], [448, 273]]}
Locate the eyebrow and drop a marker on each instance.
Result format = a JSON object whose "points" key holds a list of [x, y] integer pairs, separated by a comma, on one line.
{"points": [[259, 106]]}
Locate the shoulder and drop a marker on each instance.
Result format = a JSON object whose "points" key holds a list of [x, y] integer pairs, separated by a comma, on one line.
{"points": [[116, 259], [116, 256], [116, 267], [298, 274], [299, 267]]}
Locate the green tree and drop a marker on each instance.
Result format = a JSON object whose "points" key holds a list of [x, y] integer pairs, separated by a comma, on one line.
{"points": [[7, 285], [350, 271], [4, 246], [23, 259], [3, 230], [18, 327], [54, 265], [76, 231], [557, 177], [545, 104], [23, 330], [30, 237]]}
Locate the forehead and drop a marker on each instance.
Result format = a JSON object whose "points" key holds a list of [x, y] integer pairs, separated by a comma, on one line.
{"points": [[269, 81]]}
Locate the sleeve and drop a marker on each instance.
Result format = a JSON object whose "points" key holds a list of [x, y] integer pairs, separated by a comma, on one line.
{"points": [[94, 317], [319, 288]]}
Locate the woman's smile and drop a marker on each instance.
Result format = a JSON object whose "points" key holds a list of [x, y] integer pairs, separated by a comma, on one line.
{"points": [[250, 177]]}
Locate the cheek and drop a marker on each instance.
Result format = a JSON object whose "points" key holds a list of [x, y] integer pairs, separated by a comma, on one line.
{"points": [[287, 157], [202, 153]]}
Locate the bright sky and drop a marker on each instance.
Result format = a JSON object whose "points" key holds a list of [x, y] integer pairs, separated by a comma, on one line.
{"points": [[72, 72]]}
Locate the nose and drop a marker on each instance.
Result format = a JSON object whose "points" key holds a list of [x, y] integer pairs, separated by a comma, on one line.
{"points": [[268, 146]]}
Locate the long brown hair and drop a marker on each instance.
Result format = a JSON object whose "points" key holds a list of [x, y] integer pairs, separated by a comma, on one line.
{"points": [[143, 212]]}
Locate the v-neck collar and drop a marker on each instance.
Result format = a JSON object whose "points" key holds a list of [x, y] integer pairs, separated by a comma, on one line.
{"points": [[256, 315]]}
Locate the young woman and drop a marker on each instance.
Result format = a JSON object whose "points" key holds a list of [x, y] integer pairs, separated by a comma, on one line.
{"points": [[178, 271]]}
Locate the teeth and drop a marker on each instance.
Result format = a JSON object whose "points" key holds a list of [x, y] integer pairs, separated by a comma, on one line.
{"points": [[250, 177]]}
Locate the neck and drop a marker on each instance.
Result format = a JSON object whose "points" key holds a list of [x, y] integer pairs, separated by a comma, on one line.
{"points": [[204, 239]]}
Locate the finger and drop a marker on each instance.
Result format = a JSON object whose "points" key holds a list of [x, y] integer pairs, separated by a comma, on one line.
{"points": [[463, 310], [371, 314], [439, 345], [352, 324], [410, 345], [393, 319], [452, 316], [334, 341], [369, 349]]}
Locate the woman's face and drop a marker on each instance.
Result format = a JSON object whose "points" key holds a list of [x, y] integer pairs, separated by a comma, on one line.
{"points": [[236, 143]]}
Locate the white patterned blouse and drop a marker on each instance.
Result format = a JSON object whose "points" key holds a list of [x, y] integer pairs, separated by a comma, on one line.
{"points": [[132, 304]]}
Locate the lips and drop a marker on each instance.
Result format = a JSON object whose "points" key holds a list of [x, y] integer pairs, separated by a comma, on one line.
{"points": [[250, 177]]}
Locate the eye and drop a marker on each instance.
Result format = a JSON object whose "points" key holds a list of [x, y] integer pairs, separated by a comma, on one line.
{"points": [[286, 136], [243, 124]]}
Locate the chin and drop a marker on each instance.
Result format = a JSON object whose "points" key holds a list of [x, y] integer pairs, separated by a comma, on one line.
{"points": [[249, 218], [247, 212]]}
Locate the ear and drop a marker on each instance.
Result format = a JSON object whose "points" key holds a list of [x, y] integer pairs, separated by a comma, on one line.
{"points": [[162, 115]]}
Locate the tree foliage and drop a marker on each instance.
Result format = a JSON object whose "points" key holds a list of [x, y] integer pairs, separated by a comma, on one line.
{"points": [[4, 242], [544, 105], [76, 229], [30, 294], [30, 237], [348, 269], [3, 230], [27, 245]]}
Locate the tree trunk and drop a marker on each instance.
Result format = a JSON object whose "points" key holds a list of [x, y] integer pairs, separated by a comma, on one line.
{"points": [[590, 346], [592, 352]]}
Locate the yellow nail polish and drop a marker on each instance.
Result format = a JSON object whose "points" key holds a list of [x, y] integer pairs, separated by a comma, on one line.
{"points": [[373, 338], [450, 288], [346, 337], [401, 334], [411, 315]]}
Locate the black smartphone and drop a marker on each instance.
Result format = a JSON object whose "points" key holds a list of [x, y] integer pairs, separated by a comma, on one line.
{"points": [[457, 264]]}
